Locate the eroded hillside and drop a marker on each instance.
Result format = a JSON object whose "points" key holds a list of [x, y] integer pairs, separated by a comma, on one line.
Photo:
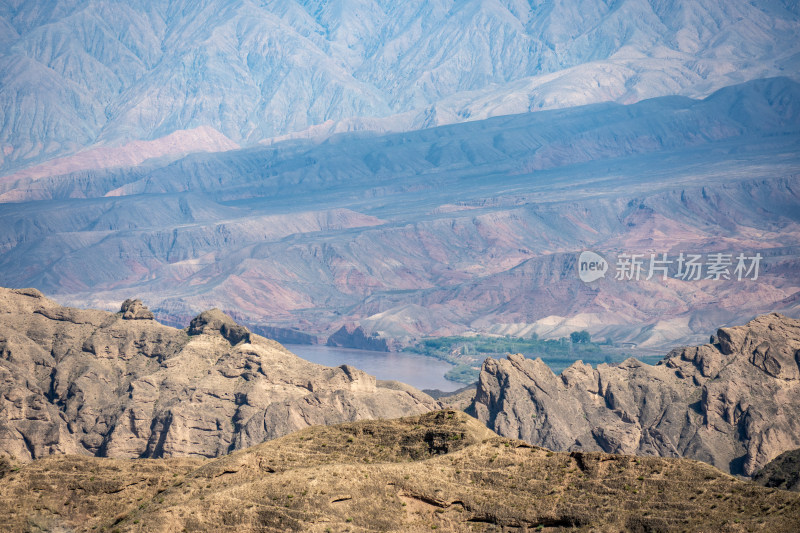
{"points": [[437, 471]]}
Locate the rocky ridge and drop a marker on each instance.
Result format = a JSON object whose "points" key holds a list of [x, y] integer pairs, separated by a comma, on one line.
{"points": [[733, 403], [437, 471], [91, 382]]}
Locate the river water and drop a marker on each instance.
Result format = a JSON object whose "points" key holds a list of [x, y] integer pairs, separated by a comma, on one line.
{"points": [[416, 370]]}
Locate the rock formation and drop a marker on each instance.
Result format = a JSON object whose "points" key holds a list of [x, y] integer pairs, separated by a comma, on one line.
{"points": [[733, 403], [91, 382], [352, 336], [135, 310]]}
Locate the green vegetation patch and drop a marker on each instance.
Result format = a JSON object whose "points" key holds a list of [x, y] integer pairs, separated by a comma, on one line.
{"points": [[468, 352]]}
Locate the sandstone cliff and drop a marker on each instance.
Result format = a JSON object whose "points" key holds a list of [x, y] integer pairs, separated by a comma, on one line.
{"points": [[122, 385], [733, 403]]}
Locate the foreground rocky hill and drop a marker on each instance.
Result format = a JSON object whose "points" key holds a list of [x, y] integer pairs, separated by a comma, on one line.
{"points": [[122, 385], [438, 471], [783, 472], [733, 403]]}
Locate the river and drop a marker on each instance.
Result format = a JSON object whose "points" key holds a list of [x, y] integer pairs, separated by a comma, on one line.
{"points": [[417, 370]]}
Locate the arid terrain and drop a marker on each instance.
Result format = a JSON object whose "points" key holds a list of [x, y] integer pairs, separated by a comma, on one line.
{"points": [[783, 472], [439, 471], [111, 421], [532, 199]]}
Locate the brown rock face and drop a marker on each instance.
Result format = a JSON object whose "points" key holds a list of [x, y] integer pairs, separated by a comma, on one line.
{"points": [[91, 382], [734, 404]]}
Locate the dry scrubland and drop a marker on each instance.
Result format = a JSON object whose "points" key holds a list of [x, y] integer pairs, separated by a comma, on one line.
{"points": [[438, 471]]}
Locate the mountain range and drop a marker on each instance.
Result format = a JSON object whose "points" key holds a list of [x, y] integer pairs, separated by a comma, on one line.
{"points": [[466, 227], [87, 382], [81, 75]]}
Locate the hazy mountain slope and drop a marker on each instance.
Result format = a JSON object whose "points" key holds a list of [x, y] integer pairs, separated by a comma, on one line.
{"points": [[76, 73], [766, 110], [471, 226], [441, 471], [122, 385]]}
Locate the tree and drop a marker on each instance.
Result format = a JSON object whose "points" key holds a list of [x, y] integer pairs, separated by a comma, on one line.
{"points": [[581, 337]]}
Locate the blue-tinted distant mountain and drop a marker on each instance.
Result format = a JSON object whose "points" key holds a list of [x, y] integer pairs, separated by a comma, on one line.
{"points": [[466, 227], [76, 74]]}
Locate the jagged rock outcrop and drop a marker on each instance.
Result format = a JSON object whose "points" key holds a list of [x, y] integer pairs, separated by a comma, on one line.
{"points": [[783, 472], [352, 336], [215, 321], [733, 403], [135, 310], [91, 382]]}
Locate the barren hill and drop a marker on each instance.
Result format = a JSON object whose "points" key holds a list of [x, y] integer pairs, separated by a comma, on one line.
{"points": [[783, 472], [733, 403], [437, 471], [122, 385]]}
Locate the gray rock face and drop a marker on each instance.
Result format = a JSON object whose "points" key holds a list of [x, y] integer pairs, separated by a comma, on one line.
{"points": [[734, 404], [215, 321], [352, 336], [91, 382]]}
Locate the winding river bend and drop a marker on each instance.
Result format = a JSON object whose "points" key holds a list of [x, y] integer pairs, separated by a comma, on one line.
{"points": [[414, 369]]}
